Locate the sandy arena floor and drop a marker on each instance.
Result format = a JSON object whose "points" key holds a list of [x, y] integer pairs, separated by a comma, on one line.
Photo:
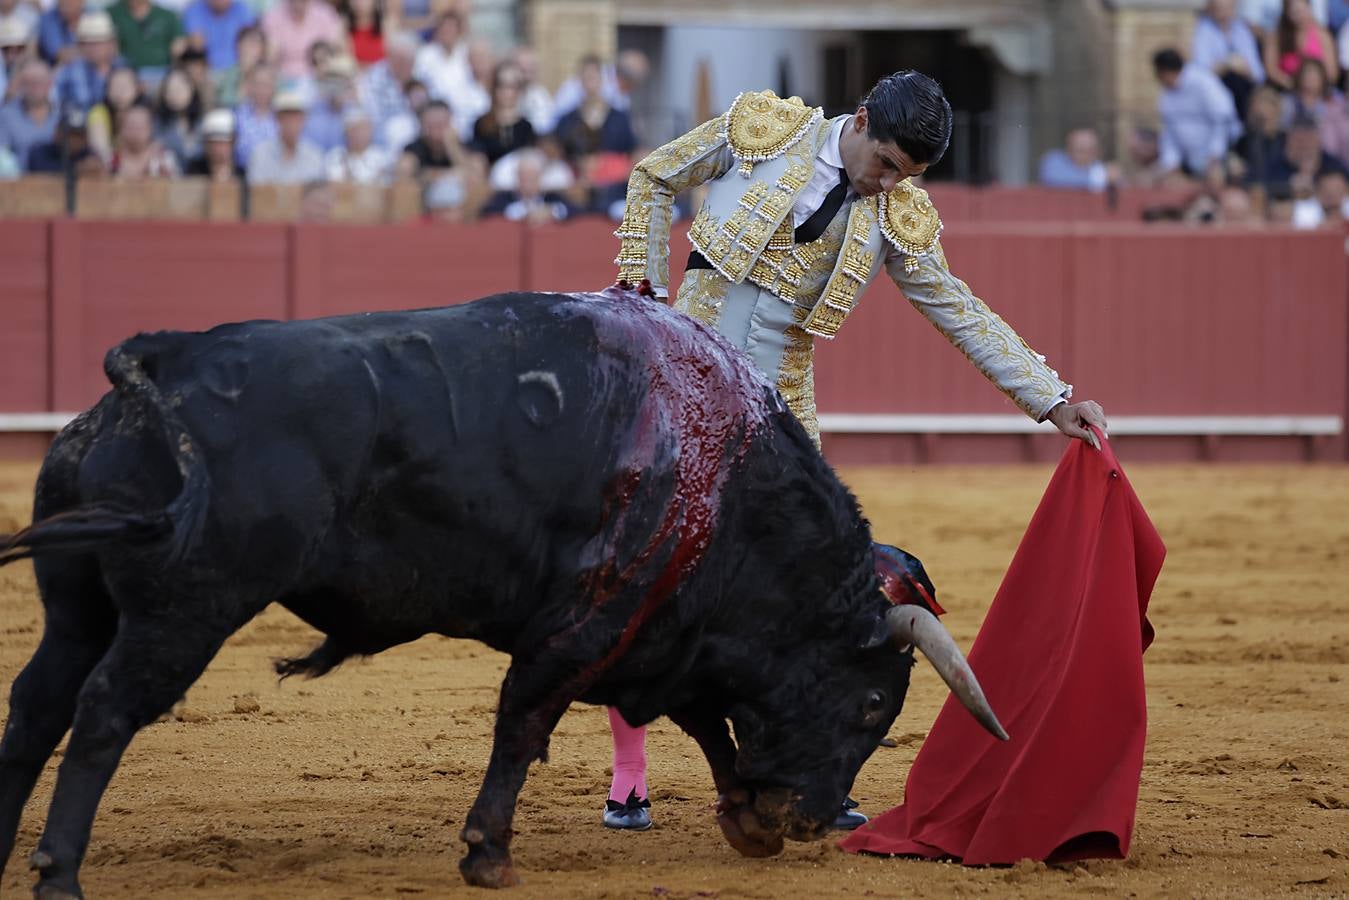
{"points": [[356, 785]]}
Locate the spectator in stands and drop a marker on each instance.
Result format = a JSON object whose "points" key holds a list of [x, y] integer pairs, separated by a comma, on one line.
{"points": [[1299, 36], [217, 161], [1078, 165], [382, 88], [1332, 195], [178, 114], [437, 148], [21, 15], [598, 139], [1313, 96], [250, 49], [1303, 160], [618, 82], [137, 154], [535, 101], [148, 36], [290, 159], [69, 150], [365, 27], [255, 122], [13, 47], [477, 97], [503, 128], [292, 26], [81, 82], [316, 201], [121, 92], [18, 29], [359, 160], [56, 31], [336, 92], [193, 63], [1199, 119], [31, 117], [528, 201], [1259, 148], [445, 199], [9, 166], [442, 64], [1225, 44], [213, 26]]}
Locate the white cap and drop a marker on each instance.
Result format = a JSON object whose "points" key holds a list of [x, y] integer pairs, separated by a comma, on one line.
{"points": [[95, 26], [288, 101], [12, 33], [218, 124]]}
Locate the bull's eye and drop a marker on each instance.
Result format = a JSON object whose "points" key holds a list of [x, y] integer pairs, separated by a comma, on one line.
{"points": [[874, 708]]}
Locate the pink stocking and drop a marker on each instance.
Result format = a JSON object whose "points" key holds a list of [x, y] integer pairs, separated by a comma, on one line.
{"points": [[629, 759]]}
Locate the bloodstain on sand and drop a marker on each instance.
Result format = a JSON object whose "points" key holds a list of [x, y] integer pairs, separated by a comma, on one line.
{"points": [[356, 784]]}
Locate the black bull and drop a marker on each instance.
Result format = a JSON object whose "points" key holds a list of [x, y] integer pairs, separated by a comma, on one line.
{"points": [[594, 484]]}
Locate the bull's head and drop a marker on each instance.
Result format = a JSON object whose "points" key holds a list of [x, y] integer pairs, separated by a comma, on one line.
{"points": [[801, 744]]}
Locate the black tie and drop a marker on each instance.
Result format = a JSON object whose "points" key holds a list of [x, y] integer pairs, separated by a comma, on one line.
{"points": [[812, 228]]}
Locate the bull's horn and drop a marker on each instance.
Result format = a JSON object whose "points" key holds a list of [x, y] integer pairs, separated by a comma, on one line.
{"points": [[910, 624]]}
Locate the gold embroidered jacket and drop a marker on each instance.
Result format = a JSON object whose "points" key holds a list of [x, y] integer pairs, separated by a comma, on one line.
{"points": [[757, 158]]}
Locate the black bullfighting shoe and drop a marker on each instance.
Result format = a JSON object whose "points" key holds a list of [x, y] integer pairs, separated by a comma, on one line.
{"points": [[848, 817], [634, 815]]}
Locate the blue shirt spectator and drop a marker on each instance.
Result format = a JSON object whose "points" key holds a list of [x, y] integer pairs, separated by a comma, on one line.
{"points": [[1222, 41], [213, 25], [1077, 167], [323, 126], [56, 31], [80, 83], [30, 118], [1199, 118]]}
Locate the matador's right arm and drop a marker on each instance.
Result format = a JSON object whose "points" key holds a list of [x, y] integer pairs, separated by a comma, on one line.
{"points": [[700, 156]]}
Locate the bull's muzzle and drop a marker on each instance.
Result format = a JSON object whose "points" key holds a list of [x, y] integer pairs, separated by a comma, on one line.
{"points": [[911, 624]]}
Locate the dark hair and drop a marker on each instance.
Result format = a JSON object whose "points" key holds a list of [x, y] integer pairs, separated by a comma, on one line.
{"points": [[590, 59], [1287, 31], [1168, 60], [1309, 65], [346, 12], [250, 31], [164, 116], [436, 104], [910, 109]]}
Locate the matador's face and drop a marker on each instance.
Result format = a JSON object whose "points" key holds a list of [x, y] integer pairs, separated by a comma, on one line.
{"points": [[873, 167]]}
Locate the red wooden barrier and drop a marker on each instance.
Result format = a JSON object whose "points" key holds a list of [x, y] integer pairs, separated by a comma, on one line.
{"points": [[25, 363], [1157, 321]]}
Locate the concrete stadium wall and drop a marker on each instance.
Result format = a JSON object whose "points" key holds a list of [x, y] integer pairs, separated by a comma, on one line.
{"points": [[1200, 344]]}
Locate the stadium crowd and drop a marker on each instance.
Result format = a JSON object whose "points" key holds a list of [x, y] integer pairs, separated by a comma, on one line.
{"points": [[306, 92], [1252, 115]]}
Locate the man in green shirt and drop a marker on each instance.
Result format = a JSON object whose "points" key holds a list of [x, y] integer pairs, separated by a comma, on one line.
{"points": [[148, 36]]}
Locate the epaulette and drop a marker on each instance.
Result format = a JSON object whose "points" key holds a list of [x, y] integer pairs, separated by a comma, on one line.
{"points": [[761, 126], [910, 222]]}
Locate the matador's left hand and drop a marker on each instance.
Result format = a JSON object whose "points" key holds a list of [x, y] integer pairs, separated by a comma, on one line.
{"points": [[1073, 418]]}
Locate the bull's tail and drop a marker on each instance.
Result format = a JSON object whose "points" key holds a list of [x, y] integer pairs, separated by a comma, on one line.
{"points": [[89, 527], [81, 529]]}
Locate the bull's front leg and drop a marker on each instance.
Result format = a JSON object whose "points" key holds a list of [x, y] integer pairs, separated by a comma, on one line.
{"points": [[735, 801], [524, 723]]}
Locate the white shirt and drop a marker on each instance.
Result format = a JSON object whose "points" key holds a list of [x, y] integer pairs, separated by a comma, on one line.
{"points": [[828, 169], [447, 77]]}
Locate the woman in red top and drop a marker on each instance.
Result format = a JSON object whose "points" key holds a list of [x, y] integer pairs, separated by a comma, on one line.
{"points": [[365, 24], [1299, 37]]}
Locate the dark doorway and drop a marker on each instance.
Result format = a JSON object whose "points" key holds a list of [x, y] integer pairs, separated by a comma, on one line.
{"points": [[965, 73]]}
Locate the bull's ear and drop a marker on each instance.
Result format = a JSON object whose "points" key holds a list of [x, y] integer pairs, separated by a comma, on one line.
{"points": [[879, 634]]}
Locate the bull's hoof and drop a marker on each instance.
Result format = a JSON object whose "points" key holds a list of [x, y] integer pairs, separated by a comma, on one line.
{"points": [[52, 885], [52, 892], [485, 871]]}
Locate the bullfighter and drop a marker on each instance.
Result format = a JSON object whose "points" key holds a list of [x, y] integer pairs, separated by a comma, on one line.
{"points": [[801, 214]]}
